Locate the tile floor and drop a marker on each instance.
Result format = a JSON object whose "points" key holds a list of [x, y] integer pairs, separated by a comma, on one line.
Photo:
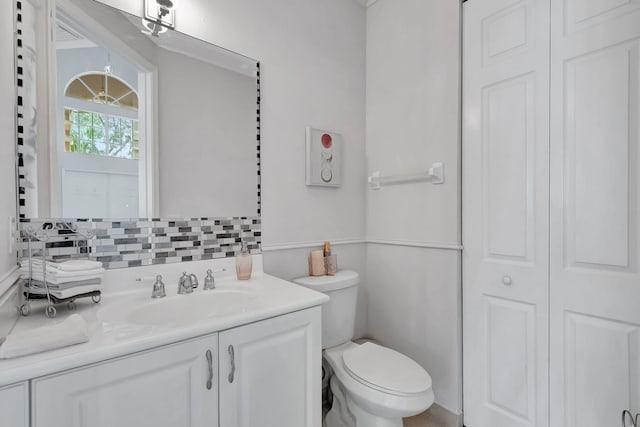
{"points": [[422, 420]]}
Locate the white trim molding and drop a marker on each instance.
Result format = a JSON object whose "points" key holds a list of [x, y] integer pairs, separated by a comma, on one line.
{"points": [[442, 416], [406, 243], [301, 245], [418, 244]]}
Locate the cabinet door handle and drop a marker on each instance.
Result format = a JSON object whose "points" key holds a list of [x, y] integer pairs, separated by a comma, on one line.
{"points": [[210, 364], [233, 363]]}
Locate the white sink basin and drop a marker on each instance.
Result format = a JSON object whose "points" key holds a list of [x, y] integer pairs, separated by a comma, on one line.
{"points": [[181, 310]]}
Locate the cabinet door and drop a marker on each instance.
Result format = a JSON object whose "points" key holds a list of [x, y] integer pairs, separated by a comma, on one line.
{"points": [[270, 372], [506, 212], [166, 387], [595, 216], [14, 406]]}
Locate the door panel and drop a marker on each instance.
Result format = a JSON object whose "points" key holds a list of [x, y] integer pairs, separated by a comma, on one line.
{"points": [[583, 14], [505, 225], [594, 345], [595, 285], [597, 141], [511, 356], [508, 163]]}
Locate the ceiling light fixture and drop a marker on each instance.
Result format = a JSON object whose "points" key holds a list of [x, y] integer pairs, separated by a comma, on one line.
{"points": [[159, 15]]}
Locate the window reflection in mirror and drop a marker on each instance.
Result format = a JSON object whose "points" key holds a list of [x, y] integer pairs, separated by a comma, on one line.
{"points": [[99, 143]]}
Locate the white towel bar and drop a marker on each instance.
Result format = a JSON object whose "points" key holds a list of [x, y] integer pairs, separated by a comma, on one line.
{"points": [[434, 175]]}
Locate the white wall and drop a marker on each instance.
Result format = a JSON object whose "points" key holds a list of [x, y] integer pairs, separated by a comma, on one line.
{"points": [[7, 143], [412, 120]]}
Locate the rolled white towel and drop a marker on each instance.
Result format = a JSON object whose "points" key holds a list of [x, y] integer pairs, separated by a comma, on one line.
{"points": [[72, 330], [69, 265]]}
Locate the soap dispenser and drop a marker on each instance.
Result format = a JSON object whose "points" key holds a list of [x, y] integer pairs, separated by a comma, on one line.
{"points": [[244, 263]]}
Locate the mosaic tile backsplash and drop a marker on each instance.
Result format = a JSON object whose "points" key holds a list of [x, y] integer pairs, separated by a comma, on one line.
{"points": [[137, 242]]}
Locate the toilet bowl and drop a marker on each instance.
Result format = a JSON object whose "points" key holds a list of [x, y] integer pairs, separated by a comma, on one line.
{"points": [[372, 386], [377, 389]]}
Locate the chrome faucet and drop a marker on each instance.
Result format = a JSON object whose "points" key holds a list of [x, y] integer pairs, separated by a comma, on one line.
{"points": [[187, 283]]}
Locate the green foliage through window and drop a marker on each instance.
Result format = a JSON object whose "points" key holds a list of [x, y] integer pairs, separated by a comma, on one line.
{"points": [[100, 134]]}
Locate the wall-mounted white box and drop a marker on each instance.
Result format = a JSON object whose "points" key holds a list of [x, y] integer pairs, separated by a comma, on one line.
{"points": [[324, 158]]}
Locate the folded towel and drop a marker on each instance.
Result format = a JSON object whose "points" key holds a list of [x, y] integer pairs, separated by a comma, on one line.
{"points": [[72, 330], [65, 277], [60, 273], [66, 293], [65, 285], [69, 265]]}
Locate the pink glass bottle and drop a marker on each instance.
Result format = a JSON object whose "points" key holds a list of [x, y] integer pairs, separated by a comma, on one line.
{"points": [[244, 263]]}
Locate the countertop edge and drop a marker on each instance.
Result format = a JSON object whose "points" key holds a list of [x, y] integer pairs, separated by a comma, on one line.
{"points": [[33, 369]]}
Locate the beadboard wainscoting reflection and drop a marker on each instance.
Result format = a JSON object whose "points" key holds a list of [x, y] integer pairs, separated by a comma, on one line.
{"points": [[145, 241]]}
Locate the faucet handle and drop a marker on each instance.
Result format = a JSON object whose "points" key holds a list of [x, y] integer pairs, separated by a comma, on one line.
{"points": [[158, 288], [209, 280], [183, 279]]}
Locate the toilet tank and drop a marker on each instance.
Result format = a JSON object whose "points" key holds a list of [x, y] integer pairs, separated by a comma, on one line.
{"points": [[339, 314]]}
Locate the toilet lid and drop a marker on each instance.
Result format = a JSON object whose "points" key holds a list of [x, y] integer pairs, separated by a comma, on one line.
{"points": [[386, 369]]}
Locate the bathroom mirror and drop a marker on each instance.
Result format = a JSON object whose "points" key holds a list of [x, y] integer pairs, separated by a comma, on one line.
{"points": [[138, 125]]}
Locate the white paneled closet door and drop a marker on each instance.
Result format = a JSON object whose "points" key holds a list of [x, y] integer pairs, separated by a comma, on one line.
{"points": [[595, 260], [506, 212]]}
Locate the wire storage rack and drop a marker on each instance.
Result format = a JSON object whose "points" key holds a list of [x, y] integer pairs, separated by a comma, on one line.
{"points": [[43, 234]]}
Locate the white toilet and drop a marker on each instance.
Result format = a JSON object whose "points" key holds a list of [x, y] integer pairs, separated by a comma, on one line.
{"points": [[372, 386]]}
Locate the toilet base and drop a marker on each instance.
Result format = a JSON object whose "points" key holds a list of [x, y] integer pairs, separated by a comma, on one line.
{"points": [[346, 413]]}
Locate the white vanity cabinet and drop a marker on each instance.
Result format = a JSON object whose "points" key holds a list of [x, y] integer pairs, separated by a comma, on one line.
{"points": [[262, 374], [270, 372], [14, 405], [173, 386]]}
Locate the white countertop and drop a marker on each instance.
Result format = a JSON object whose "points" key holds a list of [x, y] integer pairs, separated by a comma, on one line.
{"points": [[270, 297]]}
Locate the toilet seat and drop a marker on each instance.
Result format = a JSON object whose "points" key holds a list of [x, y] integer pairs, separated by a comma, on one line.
{"points": [[385, 370]]}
